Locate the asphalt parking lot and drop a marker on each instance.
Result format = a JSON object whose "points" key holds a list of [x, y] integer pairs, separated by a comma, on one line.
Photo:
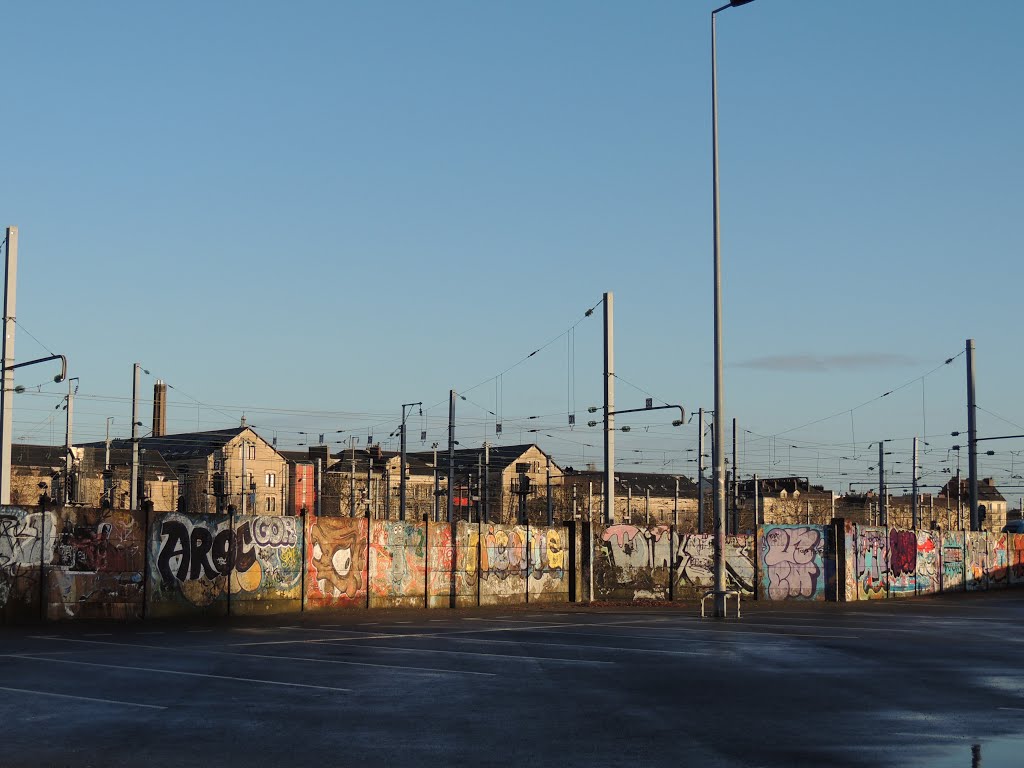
{"points": [[930, 682]]}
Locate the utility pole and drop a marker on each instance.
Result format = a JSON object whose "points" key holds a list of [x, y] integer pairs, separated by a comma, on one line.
{"points": [[69, 461], [134, 496], [915, 513], [972, 439], [106, 452], [451, 454], [245, 450], [700, 471], [757, 521], [7, 355], [487, 482], [609, 410], [319, 485], [437, 488], [883, 506], [647, 507], [401, 482], [675, 506], [735, 485], [352, 476], [590, 501], [551, 509], [369, 486]]}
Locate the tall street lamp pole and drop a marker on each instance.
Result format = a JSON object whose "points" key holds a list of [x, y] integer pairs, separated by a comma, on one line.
{"points": [[719, 436]]}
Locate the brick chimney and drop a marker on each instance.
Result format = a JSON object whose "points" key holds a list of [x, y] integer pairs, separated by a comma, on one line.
{"points": [[159, 409]]}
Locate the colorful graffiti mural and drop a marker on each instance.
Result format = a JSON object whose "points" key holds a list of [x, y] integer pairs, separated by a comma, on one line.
{"points": [[548, 563], [998, 563], [267, 559], [793, 563], [1015, 555], [336, 561], [398, 563], [872, 562], [976, 560], [929, 568], [953, 561], [902, 563]]}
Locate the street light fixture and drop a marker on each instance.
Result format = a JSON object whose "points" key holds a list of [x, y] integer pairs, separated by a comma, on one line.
{"points": [[719, 432]]}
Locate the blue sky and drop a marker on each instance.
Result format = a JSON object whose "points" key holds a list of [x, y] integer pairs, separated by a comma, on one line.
{"points": [[318, 212]]}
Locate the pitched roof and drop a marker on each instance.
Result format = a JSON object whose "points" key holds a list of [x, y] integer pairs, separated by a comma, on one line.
{"points": [[184, 445], [658, 483], [500, 457]]}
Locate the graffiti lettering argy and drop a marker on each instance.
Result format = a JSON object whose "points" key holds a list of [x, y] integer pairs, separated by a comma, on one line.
{"points": [[792, 557]]}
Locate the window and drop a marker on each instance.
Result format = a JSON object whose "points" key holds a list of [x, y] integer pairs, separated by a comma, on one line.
{"points": [[252, 450], [271, 479], [252, 481], [271, 504]]}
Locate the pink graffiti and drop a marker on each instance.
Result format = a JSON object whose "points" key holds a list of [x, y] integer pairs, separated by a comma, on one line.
{"points": [[789, 556]]}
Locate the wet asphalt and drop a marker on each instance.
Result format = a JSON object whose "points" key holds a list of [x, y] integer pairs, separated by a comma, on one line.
{"points": [[918, 682]]}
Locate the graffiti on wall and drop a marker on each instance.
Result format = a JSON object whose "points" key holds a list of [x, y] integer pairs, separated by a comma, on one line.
{"points": [[21, 550], [190, 558], [267, 558], [694, 562], [902, 562], [976, 560], [398, 559], [998, 565], [503, 552], [96, 564], [1015, 555], [872, 562], [792, 557], [635, 562], [548, 564], [929, 573], [337, 560], [953, 562]]}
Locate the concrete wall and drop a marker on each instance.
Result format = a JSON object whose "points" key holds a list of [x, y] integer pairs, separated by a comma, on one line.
{"points": [[398, 564], [95, 564], [267, 567], [792, 562], [336, 562]]}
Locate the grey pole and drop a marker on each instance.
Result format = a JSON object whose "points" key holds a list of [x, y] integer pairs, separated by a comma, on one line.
{"points": [[352, 478], [480, 491], [7, 355], [883, 511], [68, 442], [244, 489], [609, 410], [401, 466], [369, 486], [735, 485], [647, 507], [718, 457], [590, 501], [629, 504], [700, 472], [451, 454], [551, 509], [437, 489], [487, 482], [106, 452], [574, 488], [134, 496], [972, 439], [915, 509], [757, 521], [319, 485], [675, 506]]}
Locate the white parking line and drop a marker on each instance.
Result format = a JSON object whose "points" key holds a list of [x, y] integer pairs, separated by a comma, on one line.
{"points": [[206, 651], [464, 654], [184, 674], [81, 698]]}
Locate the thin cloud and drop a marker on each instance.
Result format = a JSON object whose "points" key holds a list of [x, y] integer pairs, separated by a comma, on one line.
{"points": [[827, 363]]}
